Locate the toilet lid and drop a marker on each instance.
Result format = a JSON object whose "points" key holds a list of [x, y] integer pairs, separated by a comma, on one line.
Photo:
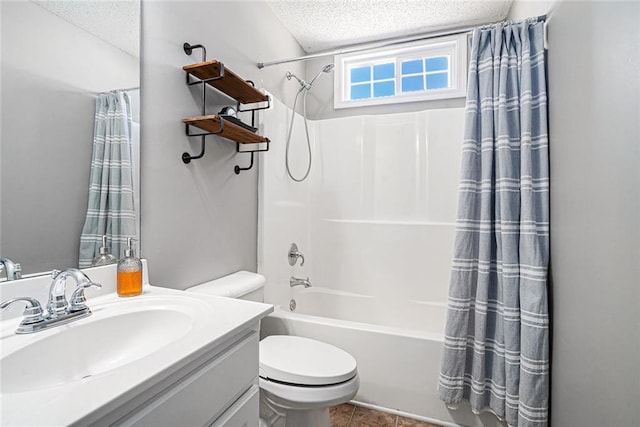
{"points": [[298, 360]]}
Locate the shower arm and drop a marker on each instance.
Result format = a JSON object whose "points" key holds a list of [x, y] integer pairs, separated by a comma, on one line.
{"points": [[304, 84]]}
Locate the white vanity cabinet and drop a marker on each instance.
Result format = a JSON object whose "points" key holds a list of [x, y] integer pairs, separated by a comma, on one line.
{"points": [[208, 393], [166, 358], [219, 390]]}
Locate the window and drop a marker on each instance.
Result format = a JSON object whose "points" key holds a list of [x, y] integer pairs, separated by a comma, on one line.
{"points": [[424, 70]]}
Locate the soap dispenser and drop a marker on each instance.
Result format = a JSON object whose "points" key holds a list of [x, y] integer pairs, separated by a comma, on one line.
{"points": [[129, 273], [105, 257]]}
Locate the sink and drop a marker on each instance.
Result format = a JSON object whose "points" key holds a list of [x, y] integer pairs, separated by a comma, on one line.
{"points": [[115, 335]]}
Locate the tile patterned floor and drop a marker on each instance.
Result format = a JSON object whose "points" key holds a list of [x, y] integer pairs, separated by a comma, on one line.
{"points": [[355, 416]]}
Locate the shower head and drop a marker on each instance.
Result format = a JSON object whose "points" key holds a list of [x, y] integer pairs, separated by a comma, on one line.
{"points": [[326, 69]]}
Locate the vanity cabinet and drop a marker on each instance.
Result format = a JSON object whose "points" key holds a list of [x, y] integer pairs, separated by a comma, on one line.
{"points": [[166, 358], [219, 390]]}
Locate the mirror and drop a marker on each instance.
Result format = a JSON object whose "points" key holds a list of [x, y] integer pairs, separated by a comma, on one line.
{"points": [[57, 56]]}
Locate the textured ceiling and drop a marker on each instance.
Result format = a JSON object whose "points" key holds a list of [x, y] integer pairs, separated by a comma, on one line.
{"points": [[114, 21], [326, 24]]}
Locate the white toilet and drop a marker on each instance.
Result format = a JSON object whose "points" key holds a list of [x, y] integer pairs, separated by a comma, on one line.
{"points": [[300, 378]]}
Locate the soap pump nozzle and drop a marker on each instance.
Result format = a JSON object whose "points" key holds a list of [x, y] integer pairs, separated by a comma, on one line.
{"points": [[104, 249], [105, 256], [129, 252]]}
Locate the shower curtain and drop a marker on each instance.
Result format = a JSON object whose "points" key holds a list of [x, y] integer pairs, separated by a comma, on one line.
{"points": [[110, 209], [496, 350]]}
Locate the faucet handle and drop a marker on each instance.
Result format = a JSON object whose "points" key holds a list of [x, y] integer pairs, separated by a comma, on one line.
{"points": [[58, 303], [78, 299], [13, 270], [17, 273], [294, 254], [32, 312]]}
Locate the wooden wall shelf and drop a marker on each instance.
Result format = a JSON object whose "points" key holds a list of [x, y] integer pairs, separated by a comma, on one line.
{"points": [[217, 75], [216, 125]]}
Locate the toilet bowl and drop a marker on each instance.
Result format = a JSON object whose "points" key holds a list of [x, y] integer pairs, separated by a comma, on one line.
{"points": [[300, 378]]}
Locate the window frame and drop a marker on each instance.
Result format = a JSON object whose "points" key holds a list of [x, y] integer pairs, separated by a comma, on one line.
{"points": [[455, 47]]}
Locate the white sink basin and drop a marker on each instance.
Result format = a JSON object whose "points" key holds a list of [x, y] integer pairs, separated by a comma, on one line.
{"points": [[114, 335], [81, 372]]}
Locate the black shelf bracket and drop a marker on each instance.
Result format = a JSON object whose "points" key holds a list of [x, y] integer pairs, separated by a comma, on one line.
{"points": [[186, 157], [237, 169], [188, 49]]}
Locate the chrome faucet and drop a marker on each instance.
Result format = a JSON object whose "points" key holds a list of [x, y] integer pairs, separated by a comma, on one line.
{"points": [[13, 270], [294, 254], [57, 291], [59, 311], [294, 281], [32, 313]]}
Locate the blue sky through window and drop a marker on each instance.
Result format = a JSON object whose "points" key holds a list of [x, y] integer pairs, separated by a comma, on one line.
{"points": [[437, 81], [360, 74], [387, 88], [373, 81], [440, 63], [412, 67], [384, 71], [361, 91]]}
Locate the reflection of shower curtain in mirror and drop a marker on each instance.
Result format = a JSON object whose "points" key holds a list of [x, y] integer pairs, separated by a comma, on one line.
{"points": [[110, 209]]}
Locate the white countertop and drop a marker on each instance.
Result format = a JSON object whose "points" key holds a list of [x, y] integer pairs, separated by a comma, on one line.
{"points": [[216, 320]]}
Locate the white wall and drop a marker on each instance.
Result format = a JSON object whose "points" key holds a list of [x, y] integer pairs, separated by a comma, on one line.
{"points": [[51, 74], [522, 9], [384, 198], [284, 205], [199, 221], [594, 112], [376, 216]]}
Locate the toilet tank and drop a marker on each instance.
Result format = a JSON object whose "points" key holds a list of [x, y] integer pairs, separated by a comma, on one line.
{"points": [[242, 285]]}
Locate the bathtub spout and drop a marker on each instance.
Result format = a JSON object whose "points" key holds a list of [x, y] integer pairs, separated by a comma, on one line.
{"points": [[294, 281]]}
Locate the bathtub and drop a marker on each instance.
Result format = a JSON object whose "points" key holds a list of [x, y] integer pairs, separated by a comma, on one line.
{"points": [[398, 364]]}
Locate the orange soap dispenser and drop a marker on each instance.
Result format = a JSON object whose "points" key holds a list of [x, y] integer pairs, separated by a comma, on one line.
{"points": [[129, 273]]}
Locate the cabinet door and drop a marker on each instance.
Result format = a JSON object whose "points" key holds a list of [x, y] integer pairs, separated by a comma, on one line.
{"points": [[243, 413], [206, 393]]}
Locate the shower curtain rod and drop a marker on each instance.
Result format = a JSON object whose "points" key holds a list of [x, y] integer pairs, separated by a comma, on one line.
{"points": [[129, 89], [386, 43], [124, 89]]}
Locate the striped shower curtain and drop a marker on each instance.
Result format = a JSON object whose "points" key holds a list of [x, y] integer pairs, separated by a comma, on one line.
{"points": [[496, 350], [111, 206]]}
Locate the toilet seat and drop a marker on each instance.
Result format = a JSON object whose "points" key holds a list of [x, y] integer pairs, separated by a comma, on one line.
{"points": [[305, 362]]}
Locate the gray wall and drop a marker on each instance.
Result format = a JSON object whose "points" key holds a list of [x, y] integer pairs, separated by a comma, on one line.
{"points": [[199, 221], [594, 92], [51, 73]]}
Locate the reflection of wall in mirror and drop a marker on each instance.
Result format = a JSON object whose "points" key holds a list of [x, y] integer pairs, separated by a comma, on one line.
{"points": [[51, 73]]}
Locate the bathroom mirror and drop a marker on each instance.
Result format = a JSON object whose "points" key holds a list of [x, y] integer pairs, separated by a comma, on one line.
{"points": [[57, 56]]}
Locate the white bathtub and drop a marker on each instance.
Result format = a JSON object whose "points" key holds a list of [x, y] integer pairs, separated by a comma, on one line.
{"points": [[398, 365]]}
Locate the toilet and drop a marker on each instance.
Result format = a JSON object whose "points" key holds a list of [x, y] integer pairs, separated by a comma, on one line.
{"points": [[300, 378]]}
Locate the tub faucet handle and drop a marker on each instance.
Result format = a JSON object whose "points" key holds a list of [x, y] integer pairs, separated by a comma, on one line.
{"points": [[294, 254]]}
